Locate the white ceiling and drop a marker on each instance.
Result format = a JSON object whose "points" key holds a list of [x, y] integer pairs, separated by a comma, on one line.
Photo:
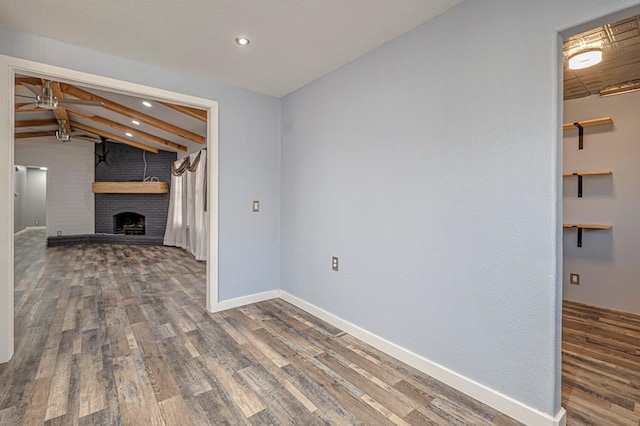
{"points": [[293, 42]]}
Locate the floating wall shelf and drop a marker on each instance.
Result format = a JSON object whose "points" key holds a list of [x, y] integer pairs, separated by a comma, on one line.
{"points": [[580, 125], [580, 174], [130, 187], [581, 226]]}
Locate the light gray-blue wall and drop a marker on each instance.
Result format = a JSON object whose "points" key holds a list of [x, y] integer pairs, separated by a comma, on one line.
{"points": [[608, 260], [249, 150], [431, 168]]}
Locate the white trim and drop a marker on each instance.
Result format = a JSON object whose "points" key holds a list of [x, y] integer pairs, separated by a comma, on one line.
{"points": [[246, 300], [28, 228], [492, 398], [9, 66]]}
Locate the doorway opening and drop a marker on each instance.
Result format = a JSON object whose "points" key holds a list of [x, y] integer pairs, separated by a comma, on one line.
{"points": [[12, 68], [601, 300], [29, 197]]}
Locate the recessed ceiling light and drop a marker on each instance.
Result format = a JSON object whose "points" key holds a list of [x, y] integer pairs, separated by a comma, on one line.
{"points": [[242, 41], [136, 122], [147, 104], [43, 168], [585, 59], [129, 134]]}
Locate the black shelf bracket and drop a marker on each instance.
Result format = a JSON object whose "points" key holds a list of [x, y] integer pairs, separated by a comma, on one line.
{"points": [[579, 185], [579, 237], [580, 135]]}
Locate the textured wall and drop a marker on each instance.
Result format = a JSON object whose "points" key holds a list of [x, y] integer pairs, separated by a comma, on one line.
{"points": [[608, 260], [430, 167], [69, 176], [126, 163]]}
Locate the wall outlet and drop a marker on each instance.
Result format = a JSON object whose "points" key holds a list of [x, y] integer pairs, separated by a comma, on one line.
{"points": [[59, 233], [574, 279], [255, 207], [37, 222], [334, 263]]}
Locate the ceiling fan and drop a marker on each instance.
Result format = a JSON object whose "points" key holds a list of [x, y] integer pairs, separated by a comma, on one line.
{"points": [[45, 99], [63, 136]]}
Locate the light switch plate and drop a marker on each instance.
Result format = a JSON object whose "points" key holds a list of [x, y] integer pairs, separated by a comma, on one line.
{"points": [[574, 279]]}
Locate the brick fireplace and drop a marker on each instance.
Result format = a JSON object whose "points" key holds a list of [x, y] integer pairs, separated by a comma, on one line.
{"points": [[145, 214]]}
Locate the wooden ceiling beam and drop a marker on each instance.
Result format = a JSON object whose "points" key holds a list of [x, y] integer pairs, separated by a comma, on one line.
{"points": [[31, 80], [121, 127], [34, 134], [36, 123], [60, 112], [121, 109], [198, 114], [114, 137]]}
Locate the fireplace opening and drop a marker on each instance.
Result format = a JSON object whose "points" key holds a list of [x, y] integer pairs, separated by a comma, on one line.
{"points": [[128, 223]]}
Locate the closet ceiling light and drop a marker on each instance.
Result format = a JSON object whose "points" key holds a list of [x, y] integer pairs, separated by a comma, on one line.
{"points": [[242, 41], [585, 59]]}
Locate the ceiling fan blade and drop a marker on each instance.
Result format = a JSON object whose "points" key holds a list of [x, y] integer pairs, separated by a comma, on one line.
{"points": [[87, 138], [65, 102], [28, 106], [35, 89], [77, 110]]}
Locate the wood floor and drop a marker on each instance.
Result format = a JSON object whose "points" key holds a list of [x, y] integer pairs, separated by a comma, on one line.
{"points": [[600, 366], [110, 335]]}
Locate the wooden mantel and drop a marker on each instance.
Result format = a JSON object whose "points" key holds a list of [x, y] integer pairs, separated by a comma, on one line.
{"points": [[130, 187]]}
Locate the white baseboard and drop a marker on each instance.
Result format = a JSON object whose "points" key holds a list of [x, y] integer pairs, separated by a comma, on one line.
{"points": [[245, 300], [20, 232], [28, 228], [492, 398]]}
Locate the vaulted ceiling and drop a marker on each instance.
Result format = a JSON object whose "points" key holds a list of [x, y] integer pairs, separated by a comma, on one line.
{"points": [[118, 118], [293, 42]]}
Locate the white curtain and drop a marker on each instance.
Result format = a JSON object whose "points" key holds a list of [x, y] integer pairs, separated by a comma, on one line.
{"points": [[187, 225]]}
